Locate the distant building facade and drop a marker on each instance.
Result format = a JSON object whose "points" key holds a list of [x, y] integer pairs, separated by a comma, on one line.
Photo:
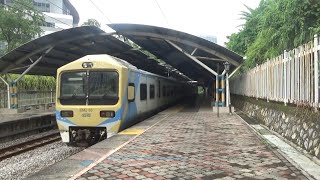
{"points": [[58, 14], [209, 38]]}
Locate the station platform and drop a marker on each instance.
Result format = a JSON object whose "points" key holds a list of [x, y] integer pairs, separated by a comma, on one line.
{"points": [[16, 125], [182, 142]]}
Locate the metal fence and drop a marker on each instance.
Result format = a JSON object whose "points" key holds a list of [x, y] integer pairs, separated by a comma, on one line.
{"points": [[26, 98], [3, 99], [292, 77]]}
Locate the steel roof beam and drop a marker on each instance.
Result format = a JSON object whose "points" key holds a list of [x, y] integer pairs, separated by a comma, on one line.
{"points": [[22, 59], [234, 71], [194, 51], [183, 41], [32, 65], [192, 58], [158, 55], [209, 59]]}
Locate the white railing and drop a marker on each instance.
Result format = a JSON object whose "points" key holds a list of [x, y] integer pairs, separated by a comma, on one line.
{"points": [[292, 77]]}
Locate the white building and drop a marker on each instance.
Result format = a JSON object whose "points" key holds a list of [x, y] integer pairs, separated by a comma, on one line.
{"points": [[58, 14]]}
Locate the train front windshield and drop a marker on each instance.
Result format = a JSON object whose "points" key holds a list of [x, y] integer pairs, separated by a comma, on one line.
{"points": [[89, 88]]}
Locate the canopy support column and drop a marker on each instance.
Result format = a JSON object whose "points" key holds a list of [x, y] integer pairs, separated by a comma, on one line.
{"points": [[228, 99], [8, 91]]}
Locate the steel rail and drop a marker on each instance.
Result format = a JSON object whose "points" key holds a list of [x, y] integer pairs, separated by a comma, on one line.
{"points": [[20, 148]]}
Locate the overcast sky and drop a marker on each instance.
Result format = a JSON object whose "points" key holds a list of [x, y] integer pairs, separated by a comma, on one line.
{"points": [[219, 18]]}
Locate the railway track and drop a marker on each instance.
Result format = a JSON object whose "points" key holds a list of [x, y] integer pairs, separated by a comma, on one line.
{"points": [[28, 145]]}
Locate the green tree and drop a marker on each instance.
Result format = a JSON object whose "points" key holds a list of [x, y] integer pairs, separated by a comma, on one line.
{"points": [[19, 23], [275, 26], [91, 22]]}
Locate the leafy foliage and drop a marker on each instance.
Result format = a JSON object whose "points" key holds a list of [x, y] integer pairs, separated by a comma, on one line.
{"points": [[92, 22], [19, 22], [275, 26], [30, 82]]}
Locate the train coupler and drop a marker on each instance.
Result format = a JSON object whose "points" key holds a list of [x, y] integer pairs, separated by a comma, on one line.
{"points": [[86, 136]]}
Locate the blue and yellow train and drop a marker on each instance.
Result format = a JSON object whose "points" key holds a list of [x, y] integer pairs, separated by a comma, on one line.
{"points": [[100, 95]]}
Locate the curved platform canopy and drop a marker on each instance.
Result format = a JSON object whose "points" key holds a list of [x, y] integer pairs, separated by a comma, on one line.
{"points": [[158, 50], [195, 57], [44, 55]]}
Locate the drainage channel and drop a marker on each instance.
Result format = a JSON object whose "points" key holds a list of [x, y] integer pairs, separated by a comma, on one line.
{"points": [[296, 157]]}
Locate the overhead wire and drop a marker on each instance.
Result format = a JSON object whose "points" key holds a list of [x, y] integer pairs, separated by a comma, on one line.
{"points": [[164, 16], [100, 10]]}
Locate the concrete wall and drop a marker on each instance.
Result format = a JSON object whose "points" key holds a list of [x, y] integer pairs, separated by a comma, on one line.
{"points": [[14, 126], [297, 124]]}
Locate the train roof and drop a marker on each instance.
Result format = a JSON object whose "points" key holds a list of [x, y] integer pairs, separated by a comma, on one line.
{"points": [[113, 61], [101, 58]]}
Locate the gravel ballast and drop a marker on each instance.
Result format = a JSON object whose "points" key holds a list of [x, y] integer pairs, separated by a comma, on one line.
{"points": [[25, 164]]}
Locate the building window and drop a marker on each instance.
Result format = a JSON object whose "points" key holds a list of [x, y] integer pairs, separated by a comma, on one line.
{"points": [[43, 7], [143, 92], [66, 11], [48, 24], [152, 91]]}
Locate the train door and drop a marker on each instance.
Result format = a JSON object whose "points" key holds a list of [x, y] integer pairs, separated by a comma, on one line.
{"points": [[152, 102]]}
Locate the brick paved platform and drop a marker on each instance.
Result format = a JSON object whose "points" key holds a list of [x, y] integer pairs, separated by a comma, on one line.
{"points": [[195, 145]]}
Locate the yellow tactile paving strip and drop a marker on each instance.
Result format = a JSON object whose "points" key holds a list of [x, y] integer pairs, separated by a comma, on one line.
{"points": [[132, 131]]}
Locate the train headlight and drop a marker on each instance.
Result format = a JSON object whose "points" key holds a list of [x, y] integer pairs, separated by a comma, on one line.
{"points": [[107, 114], [87, 65], [66, 113]]}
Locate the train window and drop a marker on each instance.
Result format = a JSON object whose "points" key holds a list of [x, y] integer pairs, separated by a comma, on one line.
{"points": [[168, 91], [94, 88], [73, 88], [164, 91], [143, 91], [152, 91], [103, 88]]}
